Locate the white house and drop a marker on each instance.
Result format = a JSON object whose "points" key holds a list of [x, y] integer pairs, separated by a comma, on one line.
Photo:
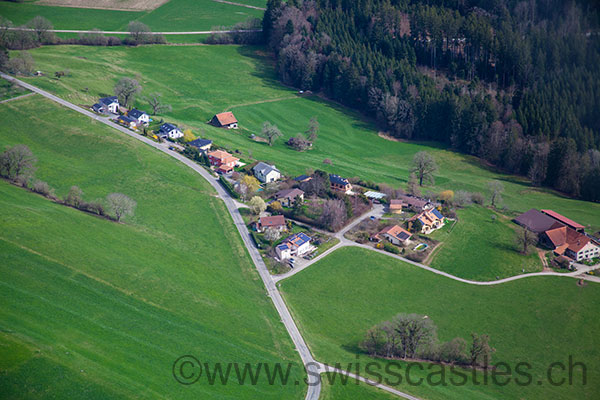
{"points": [[169, 131], [141, 117], [107, 104], [129, 122], [296, 245], [266, 173]]}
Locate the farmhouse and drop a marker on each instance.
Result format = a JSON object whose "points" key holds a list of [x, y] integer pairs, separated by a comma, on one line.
{"points": [[266, 173], [222, 161], [340, 184], [203, 145], [224, 120], [564, 220], [396, 206], [430, 220], [275, 221], [127, 121], [566, 241], [394, 234], [536, 222], [415, 203], [141, 117], [288, 197], [170, 131], [106, 105], [296, 245]]}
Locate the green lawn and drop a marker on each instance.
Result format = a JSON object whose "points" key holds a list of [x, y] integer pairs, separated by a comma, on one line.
{"points": [[94, 309], [173, 16], [201, 80], [9, 91], [536, 320], [341, 387], [480, 248]]}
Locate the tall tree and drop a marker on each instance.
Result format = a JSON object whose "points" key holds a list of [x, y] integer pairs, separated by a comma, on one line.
{"points": [[496, 188], [270, 132], [424, 166], [17, 161], [121, 205], [126, 90], [155, 102]]}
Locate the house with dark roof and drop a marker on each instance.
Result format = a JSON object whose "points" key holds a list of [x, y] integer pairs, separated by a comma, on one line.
{"points": [[296, 245], [224, 120], [203, 145], [169, 131], [430, 220], [340, 184], [302, 178], [107, 105], [537, 222], [266, 173], [140, 116], [394, 234], [129, 122], [274, 221], [288, 197]]}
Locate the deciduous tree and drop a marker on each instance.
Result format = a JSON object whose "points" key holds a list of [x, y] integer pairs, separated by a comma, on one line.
{"points": [[126, 90], [270, 132], [495, 188], [424, 166], [17, 161], [121, 205], [257, 205]]}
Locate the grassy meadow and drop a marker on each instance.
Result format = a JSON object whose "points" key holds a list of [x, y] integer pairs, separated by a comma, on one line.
{"points": [[536, 320], [173, 16], [341, 387], [480, 248], [90, 308], [199, 81]]}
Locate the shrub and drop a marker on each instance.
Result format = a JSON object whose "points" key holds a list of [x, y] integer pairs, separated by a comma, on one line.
{"points": [[417, 257], [43, 188], [390, 248], [477, 198]]}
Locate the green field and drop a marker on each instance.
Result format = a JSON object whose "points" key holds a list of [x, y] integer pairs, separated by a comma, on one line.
{"points": [[480, 248], [201, 80], [535, 320], [341, 387], [94, 309], [173, 16], [9, 91]]}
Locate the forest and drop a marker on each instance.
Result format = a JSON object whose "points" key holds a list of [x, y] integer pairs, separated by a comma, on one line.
{"points": [[515, 83]]}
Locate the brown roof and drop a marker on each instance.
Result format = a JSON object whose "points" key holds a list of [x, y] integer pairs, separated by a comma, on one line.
{"points": [[557, 236], [396, 231], [226, 118], [413, 201], [288, 194], [275, 220], [396, 204], [536, 221], [220, 154], [566, 238]]}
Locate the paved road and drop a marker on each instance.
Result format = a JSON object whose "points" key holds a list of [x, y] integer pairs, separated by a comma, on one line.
{"points": [[150, 33], [378, 212], [313, 368]]}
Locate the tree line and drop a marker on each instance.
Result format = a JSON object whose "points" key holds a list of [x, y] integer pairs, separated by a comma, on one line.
{"points": [[414, 336], [17, 165], [514, 83]]}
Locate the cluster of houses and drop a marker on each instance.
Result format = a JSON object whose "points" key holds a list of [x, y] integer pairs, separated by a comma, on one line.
{"points": [[564, 236], [295, 245]]}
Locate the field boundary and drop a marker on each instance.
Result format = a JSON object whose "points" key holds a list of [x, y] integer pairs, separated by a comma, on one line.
{"points": [[150, 33]]}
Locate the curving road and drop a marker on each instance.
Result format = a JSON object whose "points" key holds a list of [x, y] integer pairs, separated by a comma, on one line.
{"points": [[312, 366]]}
